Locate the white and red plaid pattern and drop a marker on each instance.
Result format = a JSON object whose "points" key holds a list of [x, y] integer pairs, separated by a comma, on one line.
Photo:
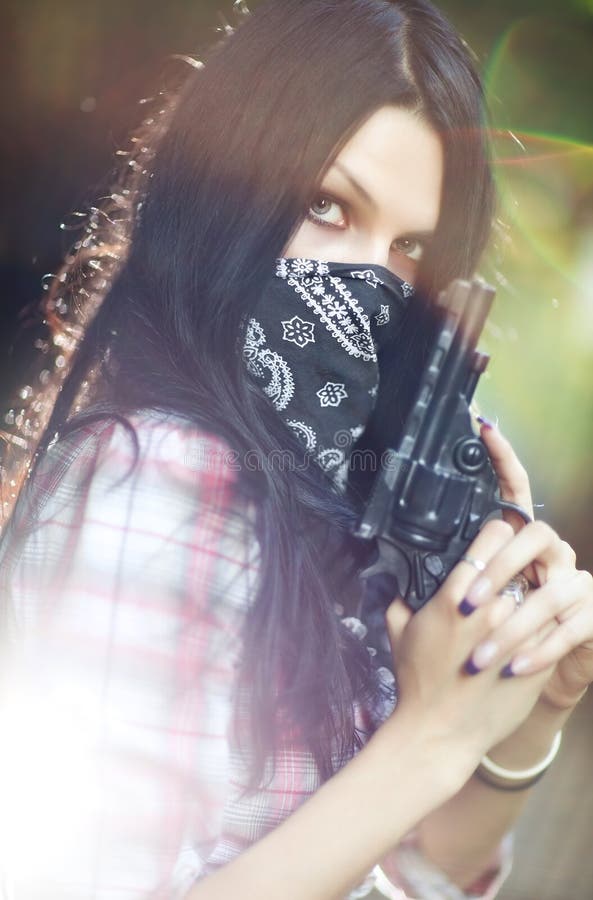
{"points": [[123, 607]]}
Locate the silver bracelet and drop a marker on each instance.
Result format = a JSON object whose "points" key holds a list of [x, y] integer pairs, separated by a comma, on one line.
{"points": [[516, 780]]}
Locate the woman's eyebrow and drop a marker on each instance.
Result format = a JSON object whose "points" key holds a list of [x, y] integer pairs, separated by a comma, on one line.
{"points": [[422, 235], [357, 187]]}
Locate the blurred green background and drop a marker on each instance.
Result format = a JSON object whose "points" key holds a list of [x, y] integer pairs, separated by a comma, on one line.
{"points": [[73, 75]]}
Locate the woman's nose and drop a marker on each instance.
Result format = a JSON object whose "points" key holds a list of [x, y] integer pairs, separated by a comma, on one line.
{"points": [[377, 252]]}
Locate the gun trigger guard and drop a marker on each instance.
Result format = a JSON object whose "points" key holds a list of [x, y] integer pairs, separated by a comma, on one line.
{"points": [[514, 507]]}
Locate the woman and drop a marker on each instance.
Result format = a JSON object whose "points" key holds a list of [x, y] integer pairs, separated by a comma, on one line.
{"points": [[188, 662]]}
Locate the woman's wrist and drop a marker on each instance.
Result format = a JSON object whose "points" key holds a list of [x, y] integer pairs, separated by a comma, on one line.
{"points": [[496, 776], [532, 740], [562, 704], [444, 765]]}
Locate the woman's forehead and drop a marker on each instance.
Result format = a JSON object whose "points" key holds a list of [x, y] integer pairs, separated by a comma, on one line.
{"points": [[395, 157]]}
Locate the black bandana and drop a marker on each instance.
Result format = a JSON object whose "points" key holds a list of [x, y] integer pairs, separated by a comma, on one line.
{"points": [[312, 346]]}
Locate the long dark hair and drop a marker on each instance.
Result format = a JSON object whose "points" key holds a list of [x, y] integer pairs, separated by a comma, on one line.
{"points": [[225, 180]]}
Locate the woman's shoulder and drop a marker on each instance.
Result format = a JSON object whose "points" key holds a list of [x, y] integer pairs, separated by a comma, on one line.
{"points": [[169, 521], [156, 437], [166, 435], [166, 476], [159, 447]]}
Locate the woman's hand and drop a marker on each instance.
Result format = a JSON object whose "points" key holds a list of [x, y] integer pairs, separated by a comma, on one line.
{"points": [[560, 609], [433, 652], [450, 656]]}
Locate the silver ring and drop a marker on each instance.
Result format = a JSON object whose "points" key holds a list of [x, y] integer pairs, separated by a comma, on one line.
{"points": [[517, 589], [476, 563]]}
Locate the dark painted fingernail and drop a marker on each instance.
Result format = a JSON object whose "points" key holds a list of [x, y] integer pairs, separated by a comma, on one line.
{"points": [[507, 672], [466, 608], [485, 422], [471, 668]]}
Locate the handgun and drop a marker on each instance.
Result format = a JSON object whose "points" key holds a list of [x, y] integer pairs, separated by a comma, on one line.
{"points": [[436, 488]]}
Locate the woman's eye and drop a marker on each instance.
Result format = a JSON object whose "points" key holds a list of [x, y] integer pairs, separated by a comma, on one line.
{"points": [[410, 247], [326, 211]]}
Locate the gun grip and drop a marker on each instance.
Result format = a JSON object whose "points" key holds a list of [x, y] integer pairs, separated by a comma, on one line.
{"points": [[389, 574]]}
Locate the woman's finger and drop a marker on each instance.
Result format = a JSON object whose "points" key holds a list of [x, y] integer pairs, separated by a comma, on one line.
{"points": [[512, 477], [534, 623], [397, 617], [575, 631], [536, 543], [492, 538]]}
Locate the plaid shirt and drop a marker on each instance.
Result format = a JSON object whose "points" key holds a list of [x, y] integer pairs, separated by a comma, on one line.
{"points": [[123, 607]]}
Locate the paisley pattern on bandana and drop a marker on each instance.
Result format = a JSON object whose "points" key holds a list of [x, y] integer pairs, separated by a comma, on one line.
{"points": [[312, 346]]}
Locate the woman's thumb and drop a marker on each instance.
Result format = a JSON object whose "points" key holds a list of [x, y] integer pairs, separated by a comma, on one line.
{"points": [[397, 617]]}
